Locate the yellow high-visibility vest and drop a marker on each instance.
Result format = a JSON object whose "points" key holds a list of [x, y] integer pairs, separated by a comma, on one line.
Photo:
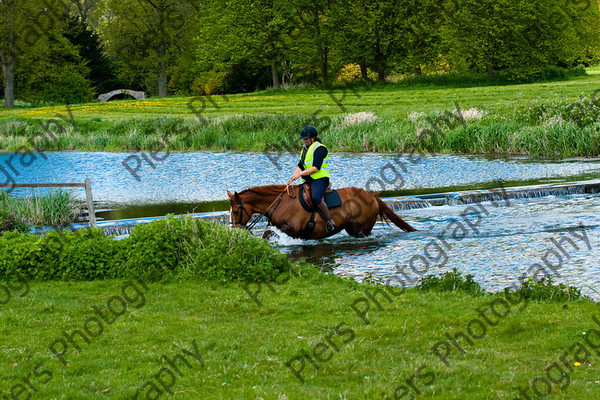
{"points": [[308, 161]]}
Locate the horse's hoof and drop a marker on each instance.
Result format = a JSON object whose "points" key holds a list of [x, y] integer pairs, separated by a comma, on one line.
{"points": [[268, 233]]}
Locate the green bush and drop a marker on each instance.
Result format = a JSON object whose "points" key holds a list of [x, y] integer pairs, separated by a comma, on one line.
{"points": [[9, 223], [502, 77], [184, 248], [546, 290], [450, 282], [173, 248], [583, 112], [70, 88], [83, 255]]}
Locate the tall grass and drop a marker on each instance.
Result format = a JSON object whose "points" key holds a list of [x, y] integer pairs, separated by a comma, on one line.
{"points": [[58, 207], [556, 129]]}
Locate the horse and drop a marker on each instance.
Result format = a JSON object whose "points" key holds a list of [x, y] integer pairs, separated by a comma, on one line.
{"points": [[281, 206]]}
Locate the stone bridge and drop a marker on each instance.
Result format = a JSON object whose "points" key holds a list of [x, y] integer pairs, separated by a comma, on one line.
{"points": [[107, 96]]}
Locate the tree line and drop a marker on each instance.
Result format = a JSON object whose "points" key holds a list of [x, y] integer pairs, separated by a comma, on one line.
{"points": [[68, 51]]}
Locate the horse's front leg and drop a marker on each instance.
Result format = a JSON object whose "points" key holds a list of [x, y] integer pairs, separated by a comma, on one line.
{"points": [[291, 226]]}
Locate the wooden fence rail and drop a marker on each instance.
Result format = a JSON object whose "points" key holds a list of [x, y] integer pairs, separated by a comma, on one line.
{"points": [[86, 184]]}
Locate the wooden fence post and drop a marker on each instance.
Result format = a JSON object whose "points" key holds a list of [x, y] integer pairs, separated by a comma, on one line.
{"points": [[90, 202]]}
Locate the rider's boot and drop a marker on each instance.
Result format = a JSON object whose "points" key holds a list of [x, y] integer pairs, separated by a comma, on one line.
{"points": [[324, 211]]}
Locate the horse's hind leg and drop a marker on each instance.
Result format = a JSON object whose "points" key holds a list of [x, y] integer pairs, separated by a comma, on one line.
{"points": [[358, 230]]}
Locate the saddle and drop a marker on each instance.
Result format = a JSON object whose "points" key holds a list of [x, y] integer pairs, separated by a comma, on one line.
{"points": [[332, 198]]}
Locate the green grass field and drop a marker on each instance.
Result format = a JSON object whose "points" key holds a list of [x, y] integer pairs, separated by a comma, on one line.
{"points": [[243, 347], [539, 119], [388, 101]]}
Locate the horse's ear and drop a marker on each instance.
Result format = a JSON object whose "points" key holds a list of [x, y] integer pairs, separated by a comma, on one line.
{"points": [[229, 194]]}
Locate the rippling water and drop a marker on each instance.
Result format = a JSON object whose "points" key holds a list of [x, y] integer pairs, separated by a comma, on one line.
{"points": [[508, 241], [193, 177]]}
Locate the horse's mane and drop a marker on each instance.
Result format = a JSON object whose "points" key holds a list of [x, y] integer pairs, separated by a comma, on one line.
{"points": [[265, 190]]}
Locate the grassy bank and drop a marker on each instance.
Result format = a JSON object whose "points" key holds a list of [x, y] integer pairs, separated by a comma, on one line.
{"points": [[550, 135], [540, 119], [304, 335], [245, 347]]}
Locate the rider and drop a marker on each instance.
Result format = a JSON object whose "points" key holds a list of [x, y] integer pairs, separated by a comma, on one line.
{"points": [[313, 168]]}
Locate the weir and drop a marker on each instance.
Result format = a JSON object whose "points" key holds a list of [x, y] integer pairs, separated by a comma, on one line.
{"points": [[526, 193], [125, 226], [496, 194]]}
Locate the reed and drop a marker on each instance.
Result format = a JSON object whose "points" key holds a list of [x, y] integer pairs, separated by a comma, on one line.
{"points": [[57, 207], [556, 129]]}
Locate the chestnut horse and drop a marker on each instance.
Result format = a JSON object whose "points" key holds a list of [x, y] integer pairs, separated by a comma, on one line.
{"points": [[280, 204]]}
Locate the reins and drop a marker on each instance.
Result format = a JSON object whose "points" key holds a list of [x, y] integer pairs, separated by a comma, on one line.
{"points": [[251, 224]]}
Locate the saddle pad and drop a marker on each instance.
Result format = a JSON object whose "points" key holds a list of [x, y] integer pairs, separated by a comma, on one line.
{"points": [[331, 199]]}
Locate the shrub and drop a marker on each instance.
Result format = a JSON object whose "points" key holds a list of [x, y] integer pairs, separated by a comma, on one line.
{"points": [[450, 282], [502, 77], [9, 223], [173, 248], [545, 289], [185, 248], [351, 73], [70, 88], [82, 255], [582, 112], [242, 77]]}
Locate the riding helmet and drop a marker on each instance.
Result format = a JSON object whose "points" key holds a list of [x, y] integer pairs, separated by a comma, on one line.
{"points": [[308, 131]]}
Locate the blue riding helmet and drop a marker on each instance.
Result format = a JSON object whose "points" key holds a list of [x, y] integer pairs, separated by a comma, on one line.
{"points": [[308, 132]]}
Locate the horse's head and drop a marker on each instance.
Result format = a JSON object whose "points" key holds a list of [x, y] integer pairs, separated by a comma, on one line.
{"points": [[239, 212]]}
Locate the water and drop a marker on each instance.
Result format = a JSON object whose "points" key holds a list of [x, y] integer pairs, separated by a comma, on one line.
{"points": [[508, 241], [497, 251], [185, 181]]}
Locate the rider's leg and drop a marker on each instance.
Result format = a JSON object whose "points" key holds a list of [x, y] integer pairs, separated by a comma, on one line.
{"points": [[318, 188], [324, 211]]}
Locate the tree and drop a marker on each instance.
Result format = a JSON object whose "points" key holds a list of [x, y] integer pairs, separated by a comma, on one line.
{"points": [[369, 34], [84, 9], [102, 71], [239, 30], [521, 36], [12, 14], [18, 31], [148, 37], [316, 27], [33, 52], [419, 29]]}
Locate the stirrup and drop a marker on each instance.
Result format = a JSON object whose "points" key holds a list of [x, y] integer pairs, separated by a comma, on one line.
{"points": [[330, 227]]}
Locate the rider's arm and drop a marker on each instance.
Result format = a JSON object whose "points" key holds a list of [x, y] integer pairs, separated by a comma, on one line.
{"points": [[297, 172], [318, 158], [295, 175]]}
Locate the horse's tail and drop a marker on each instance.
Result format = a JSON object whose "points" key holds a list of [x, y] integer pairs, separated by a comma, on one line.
{"points": [[386, 213]]}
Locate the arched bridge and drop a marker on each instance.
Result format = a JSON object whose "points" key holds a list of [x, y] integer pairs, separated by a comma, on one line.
{"points": [[107, 96]]}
